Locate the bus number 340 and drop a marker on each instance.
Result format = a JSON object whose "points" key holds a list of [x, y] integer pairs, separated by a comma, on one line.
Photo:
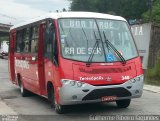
{"points": [[125, 77]]}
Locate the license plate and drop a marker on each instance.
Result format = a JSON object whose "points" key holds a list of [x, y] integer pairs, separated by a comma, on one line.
{"points": [[108, 98]]}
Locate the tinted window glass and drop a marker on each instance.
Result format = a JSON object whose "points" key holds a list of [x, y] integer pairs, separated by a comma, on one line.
{"points": [[27, 40], [49, 40], [34, 40]]}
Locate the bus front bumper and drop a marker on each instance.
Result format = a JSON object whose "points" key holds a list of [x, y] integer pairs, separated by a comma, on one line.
{"points": [[74, 92]]}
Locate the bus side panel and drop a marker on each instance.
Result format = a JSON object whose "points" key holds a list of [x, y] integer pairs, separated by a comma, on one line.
{"points": [[11, 57]]}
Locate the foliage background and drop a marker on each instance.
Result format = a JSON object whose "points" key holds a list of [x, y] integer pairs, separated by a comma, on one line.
{"points": [[129, 9]]}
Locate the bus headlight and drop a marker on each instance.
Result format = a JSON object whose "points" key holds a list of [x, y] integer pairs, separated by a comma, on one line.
{"points": [[72, 83], [80, 84], [133, 80], [138, 78], [64, 81]]}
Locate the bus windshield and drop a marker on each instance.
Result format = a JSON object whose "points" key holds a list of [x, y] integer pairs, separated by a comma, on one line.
{"points": [[82, 38]]}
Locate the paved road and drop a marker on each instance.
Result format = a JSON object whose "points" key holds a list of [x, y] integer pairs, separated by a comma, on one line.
{"points": [[36, 108]]}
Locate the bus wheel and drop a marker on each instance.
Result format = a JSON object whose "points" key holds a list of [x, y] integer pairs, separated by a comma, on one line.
{"points": [[58, 108], [123, 103], [24, 92]]}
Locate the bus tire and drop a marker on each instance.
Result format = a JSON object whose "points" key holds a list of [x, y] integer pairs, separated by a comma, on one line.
{"points": [[24, 92], [123, 103], [60, 109]]}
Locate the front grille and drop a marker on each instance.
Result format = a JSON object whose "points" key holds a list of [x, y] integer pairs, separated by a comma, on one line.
{"points": [[99, 93], [107, 84]]}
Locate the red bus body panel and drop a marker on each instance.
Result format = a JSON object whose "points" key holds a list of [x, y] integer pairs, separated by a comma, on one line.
{"points": [[11, 56]]}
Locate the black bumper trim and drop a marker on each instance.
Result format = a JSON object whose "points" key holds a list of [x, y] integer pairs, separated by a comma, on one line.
{"points": [[99, 93]]}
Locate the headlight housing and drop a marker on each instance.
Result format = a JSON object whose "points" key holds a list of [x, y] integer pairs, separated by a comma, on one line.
{"points": [[137, 79], [72, 83]]}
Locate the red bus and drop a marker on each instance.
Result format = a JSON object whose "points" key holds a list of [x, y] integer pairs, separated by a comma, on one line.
{"points": [[75, 58]]}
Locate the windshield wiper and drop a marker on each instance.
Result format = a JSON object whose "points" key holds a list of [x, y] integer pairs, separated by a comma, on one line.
{"points": [[97, 43], [101, 40], [93, 50], [85, 36], [114, 49]]}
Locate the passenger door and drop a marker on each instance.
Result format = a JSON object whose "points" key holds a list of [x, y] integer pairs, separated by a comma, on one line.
{"points": [[50, 51]]}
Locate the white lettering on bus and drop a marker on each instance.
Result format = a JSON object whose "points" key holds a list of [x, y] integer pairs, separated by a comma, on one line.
{"points": [[22, 64], [81, 51], [125, 77], [88, 24], [92, 78]]}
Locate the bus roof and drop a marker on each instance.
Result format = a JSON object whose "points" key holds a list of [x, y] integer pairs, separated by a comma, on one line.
{"points": [[69, 15]]}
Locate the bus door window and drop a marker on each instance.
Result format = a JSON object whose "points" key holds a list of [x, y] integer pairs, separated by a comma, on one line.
{"points": [[49, 41]]}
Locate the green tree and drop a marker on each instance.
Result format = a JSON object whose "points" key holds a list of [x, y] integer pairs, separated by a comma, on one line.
{"points": [[155, 16], [130, 9], [82, 5]]}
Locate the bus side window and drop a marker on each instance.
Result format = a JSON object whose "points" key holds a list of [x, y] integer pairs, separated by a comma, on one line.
{"points": [[34, 39], [26, 40], [19, 41], [23, 41]]}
